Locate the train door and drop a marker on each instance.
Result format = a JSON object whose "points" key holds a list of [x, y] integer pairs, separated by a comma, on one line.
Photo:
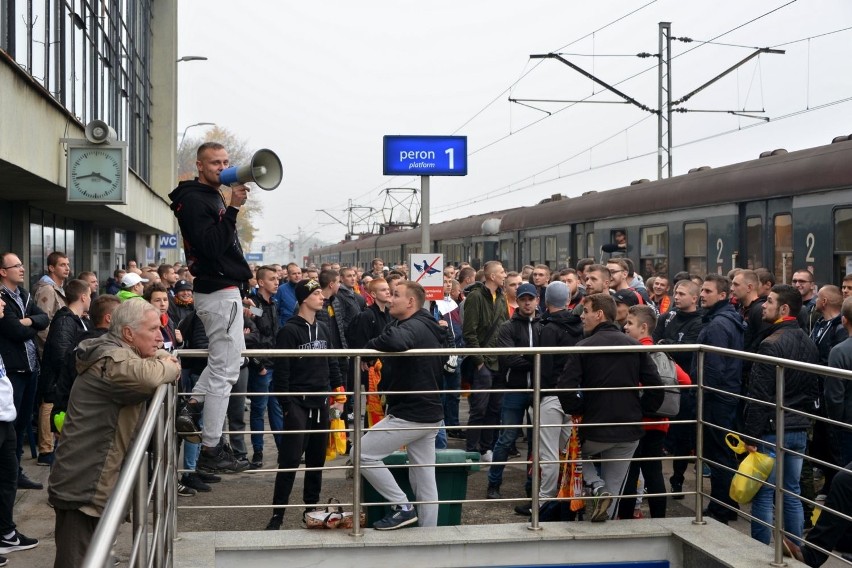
{"points": [[779, 216], [842, 224], [751, 244], [577, 244]]}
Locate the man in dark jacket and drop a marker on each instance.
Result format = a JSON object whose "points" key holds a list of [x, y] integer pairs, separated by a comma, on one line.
{"points": [[265, 318], [303, 412], [21, 322], [786, 340], [65, 330], [484, 310], [560, 327], [591, 372], [412, 420], [215, 257], [723, 327], [838, 392], [515, 373], [681, 326]]}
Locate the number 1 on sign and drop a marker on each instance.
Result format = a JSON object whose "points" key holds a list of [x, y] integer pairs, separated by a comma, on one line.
{"points": [[449, 152]]}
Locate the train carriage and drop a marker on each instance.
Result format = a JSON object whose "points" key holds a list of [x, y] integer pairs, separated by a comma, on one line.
{"points": [[782, 211]]}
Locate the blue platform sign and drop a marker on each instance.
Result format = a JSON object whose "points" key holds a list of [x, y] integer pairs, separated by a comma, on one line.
{"points": [[425, 155], [168, 241], [254, 256]]}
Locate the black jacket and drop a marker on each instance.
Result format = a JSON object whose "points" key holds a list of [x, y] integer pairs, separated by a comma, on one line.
{"points": [[723, 327], [420, 331], [515, 371], [786, 341], [590, 372], [267, 330], [679, 328], [68, 372], [213, 251], [558, 329], [13, 334], [305, 374], [368, 324], [66, 328]]}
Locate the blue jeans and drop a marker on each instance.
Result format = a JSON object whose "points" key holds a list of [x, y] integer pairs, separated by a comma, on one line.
{"points": [[441, 438], [260, 404], [514, 407], [450, 401], [763, 504]]}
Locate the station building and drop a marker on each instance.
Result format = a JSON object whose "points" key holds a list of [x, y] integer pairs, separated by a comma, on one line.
{"points": [[63, 65]]}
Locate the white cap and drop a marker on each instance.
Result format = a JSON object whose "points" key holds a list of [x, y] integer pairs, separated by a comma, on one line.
{"points": [[131, 279]]}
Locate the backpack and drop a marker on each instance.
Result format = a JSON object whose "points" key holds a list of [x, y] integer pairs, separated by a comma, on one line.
{"points": [[668, 375]]}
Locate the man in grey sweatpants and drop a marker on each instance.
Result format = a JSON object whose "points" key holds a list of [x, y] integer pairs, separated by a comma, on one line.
{"points": [[592, 372]]}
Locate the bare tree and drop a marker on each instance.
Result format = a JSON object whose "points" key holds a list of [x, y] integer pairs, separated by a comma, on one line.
{"points": [[239, 153]]}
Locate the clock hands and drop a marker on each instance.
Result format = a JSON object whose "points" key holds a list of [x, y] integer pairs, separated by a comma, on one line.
{"points": [[95, 175]]}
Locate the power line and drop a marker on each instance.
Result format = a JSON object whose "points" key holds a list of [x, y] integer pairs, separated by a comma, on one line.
{"points": [[508, 189]]}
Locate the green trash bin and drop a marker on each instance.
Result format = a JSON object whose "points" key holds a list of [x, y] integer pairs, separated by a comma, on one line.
{"points": [[452, 484]]}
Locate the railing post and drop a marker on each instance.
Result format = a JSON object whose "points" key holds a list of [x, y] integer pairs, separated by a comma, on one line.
{"points": [[536, 442], [160, 471], [170, 492], [355, 451], [699, 442], [140, 513], [778, 529]]}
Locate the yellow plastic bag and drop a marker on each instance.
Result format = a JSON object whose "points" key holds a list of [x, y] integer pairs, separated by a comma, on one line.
{"points": [[757, 465]]}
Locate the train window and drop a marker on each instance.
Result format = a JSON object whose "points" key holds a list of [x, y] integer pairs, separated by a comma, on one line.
{"points": [[843, 230], [619, 237], [535, 250], [654, 250], [550, 251], [783, 247], [695, 248], [590, 242], [578, 245], [507, 254], [754, 243]]}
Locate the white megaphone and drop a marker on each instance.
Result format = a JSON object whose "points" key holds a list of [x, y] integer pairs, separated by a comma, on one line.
{"points": [[265, 170]]}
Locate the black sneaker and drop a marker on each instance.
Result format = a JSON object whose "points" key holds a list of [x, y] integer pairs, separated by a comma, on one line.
{"points": [[193, 481], [219, 461], [257, 460], [184, 491], [3, 561], [17, 542], [208, 477], [524, 510], [397, 520], [25, 482], [677, 488], [187, 422], [45, 459], [274, 523], [493, 491]]}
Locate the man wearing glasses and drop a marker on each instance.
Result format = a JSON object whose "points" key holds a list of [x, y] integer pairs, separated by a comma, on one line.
{"points": [[21, 322], [803, 281]]}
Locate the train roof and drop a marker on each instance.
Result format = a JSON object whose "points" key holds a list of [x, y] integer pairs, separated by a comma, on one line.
{"points": [[786, 174]]}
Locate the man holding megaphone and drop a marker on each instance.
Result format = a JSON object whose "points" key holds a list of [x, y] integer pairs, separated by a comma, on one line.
{"points": [[215, 257]]}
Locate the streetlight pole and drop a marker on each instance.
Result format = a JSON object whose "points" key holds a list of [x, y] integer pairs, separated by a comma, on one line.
{"points": [[182, 136]]}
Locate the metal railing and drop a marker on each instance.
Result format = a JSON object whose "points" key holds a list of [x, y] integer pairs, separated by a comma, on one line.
{"points": [[149, 472]]}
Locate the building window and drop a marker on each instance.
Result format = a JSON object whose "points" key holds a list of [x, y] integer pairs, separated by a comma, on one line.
{"points": [[93, 58]]}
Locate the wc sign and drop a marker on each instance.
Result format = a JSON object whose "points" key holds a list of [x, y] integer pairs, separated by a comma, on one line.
{"points": [[168, 241]]}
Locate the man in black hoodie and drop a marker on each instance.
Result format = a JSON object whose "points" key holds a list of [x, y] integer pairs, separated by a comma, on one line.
{"points": [[215, 258], [412, 420], [303, 412]]}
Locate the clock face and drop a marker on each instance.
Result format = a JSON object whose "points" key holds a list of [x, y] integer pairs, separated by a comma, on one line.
{"points": [[96, 173]]}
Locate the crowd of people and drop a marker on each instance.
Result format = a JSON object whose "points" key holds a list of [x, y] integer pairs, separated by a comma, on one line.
{"points": [[79, 360]]}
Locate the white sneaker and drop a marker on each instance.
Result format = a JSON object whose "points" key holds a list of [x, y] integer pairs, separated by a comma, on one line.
{"points": [[821, 498], [487, 456]]}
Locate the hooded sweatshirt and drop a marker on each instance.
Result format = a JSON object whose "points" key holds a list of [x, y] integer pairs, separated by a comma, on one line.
{"points": [[213, 251], [305, 374], [420, 331]]}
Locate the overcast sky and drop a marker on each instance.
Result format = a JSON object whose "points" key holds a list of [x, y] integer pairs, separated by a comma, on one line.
{"points": [[321, 82]]}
